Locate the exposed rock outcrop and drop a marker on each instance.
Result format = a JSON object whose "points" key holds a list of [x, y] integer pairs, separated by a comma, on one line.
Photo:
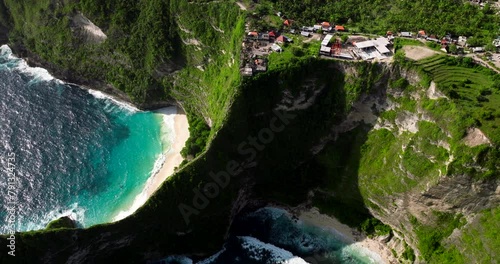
{"points": [[85, 29]]}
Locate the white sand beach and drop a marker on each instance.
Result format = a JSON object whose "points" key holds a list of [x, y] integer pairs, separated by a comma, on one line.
{"points": [[176, 125], [173, 157], [351, 236]]}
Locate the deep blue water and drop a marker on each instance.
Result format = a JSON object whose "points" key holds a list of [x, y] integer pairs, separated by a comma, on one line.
{"points": [[76, 153], [271, 235]]}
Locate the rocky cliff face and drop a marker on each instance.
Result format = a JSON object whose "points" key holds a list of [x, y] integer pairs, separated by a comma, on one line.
{"points": [[404, 166]]}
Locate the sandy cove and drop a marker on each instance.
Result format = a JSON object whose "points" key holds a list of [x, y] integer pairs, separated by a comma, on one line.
{"points": [[173, 157], [179, 133], [349, 235]]}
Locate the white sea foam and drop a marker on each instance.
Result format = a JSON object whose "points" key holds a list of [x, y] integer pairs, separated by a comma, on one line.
{"points": [[167, 129], [279, 255], [138, 202], [142, 197], [7, 52], [74, 212], [367, 255], [167, 138], [114, 102], [39, 74], [178, 260]]}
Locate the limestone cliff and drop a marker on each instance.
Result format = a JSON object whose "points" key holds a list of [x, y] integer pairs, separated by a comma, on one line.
{"points": [[415, 171]]}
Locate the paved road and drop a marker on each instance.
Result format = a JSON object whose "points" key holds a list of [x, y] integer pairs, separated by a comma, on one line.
{"points": [[480, 61]]}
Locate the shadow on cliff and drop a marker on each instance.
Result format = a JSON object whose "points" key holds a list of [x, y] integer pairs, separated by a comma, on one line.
{"points": [[282, 171], [333, 177], [333, 172]]}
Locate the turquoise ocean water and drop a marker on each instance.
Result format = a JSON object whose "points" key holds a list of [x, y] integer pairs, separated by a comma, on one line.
{"points": [[77, 153]]}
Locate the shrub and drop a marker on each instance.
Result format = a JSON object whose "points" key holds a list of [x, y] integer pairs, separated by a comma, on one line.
{"points": [[296, 51], [433, 45], [400, 56], [198, 136], [496, 85], [344, 38], [454, 94], [487, 115], [374, 227], [408, 254], [485, 91], [401, 83], [481, 98]]}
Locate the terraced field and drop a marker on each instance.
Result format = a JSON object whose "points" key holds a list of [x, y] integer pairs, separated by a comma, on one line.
{"points": [[474, 89]]}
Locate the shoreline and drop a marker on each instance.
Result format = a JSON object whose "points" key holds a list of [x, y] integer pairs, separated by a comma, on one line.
{"points": [[72, 78], [349, 235], [170, 159], [173, 157]]}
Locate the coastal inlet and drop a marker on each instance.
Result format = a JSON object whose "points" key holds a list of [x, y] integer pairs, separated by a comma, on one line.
{"points": [[78, 152]]}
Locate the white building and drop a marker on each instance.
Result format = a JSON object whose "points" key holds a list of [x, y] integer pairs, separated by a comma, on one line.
{"points": [[405, 34], [462, 41], [276, 48], [326, 40], [371, 49], [477, 49], [496, 43], [324, 50]]}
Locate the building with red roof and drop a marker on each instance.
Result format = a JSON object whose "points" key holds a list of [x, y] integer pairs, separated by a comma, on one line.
{"points": [[283, 39], [339, 28]]}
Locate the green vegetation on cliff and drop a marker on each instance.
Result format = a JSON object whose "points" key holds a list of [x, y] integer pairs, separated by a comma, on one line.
{"points": [[475, 89], [430, 238], [316, 100], [417, 143], [154, 50], [480, 239], [198, 134], [63, 222]]}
